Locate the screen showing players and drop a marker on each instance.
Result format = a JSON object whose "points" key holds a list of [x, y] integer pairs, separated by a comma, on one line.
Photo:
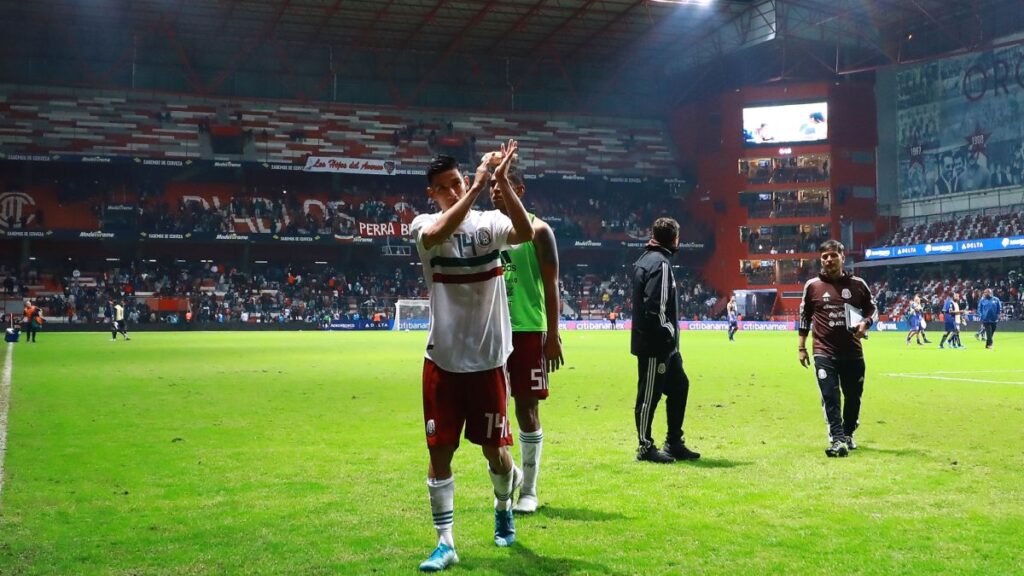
{"points": [[785, 124]]}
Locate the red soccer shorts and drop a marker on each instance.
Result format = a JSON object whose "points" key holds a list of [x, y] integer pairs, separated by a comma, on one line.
{"points": [[527, 374], [477, 399]]}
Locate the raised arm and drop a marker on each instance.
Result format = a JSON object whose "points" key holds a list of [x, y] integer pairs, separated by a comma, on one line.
{"points": [[522, 229], [450, 219]]}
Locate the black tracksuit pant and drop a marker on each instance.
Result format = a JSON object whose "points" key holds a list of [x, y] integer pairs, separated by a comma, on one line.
{"points": [[838, 378], [30, 331], [990, 329], [118, 327], [659, 376]]}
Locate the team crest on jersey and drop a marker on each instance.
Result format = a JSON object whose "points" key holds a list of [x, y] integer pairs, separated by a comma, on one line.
{"points": [[661, 368], [846, 293], [483, 237], [826, 296], [431, 428]]}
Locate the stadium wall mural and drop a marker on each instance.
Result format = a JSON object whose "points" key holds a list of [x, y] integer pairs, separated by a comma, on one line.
{"points": [[959, 127]]}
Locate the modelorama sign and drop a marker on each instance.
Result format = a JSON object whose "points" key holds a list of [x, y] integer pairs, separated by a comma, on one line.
{"points": [[367, 233], [946, 248]]}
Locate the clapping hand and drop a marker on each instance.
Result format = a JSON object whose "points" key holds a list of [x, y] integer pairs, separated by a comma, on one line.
{"points": [[508, 154]]}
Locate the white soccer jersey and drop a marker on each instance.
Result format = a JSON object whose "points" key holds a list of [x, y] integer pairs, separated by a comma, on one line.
{"points": [[470, 329]]}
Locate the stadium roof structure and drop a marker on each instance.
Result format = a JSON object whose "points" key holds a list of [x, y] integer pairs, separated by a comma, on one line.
{"points": [[839, 39], [590, 49], [535, 29]]}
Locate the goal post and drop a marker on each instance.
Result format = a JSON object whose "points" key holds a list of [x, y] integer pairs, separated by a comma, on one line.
{"points": [[412, 314]]}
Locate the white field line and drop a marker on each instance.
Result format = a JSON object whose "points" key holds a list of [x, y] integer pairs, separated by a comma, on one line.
{"points": [[5, 402], [935, 376], [975, 372]]}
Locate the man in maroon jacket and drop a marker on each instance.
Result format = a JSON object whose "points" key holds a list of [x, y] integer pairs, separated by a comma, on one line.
{"points": [[837, 307]]}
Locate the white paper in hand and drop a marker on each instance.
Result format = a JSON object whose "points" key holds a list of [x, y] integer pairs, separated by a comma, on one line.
{"points": [[854, 316]]}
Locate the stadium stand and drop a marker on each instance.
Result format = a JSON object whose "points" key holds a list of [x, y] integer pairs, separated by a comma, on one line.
{"points": [[1006, 221], [55, 121], [104, 199], [165, 292], [590, 296], [894, 295]]}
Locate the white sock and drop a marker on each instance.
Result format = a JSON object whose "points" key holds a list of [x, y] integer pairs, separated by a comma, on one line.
{"points": [[502, 488], [531, 443], [442, 505]]}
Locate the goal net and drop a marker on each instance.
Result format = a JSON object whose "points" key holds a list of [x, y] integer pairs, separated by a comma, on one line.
{"points": [[412, 314]]}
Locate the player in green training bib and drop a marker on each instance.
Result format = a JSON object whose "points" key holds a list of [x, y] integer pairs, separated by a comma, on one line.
{"points": [[525, 287], [531, 283]]}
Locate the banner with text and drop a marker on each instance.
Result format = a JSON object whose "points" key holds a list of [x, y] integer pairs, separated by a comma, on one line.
{"points": [[359, 325], [350, 165], [946, 248], [383, 229], [691, 325]]}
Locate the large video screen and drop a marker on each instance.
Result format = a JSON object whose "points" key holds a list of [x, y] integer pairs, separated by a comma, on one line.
{"points": [[785, 124]]}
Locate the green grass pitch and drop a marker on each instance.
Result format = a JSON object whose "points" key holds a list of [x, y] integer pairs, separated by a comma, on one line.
{"points": [[304, 453]]}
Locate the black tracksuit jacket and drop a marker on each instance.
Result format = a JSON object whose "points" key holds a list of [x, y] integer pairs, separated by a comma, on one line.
{"points": [[655, 310]]}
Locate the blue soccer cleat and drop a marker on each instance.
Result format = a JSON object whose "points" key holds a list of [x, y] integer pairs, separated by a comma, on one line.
{"points": [[442, 557], [504, 528]]}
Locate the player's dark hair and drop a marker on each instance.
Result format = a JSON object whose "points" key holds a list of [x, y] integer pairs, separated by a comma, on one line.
{"points": [[440, 163], [515, 173], [665, 231], [832, 246]]}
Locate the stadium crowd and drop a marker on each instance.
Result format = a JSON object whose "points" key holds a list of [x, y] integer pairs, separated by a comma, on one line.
{"points": [[201, 292], [592, 296], [283, 213], [894, 295], [574, 213]]}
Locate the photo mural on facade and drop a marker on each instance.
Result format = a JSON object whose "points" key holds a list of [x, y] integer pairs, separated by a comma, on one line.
{"points": [[959, 124]]}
